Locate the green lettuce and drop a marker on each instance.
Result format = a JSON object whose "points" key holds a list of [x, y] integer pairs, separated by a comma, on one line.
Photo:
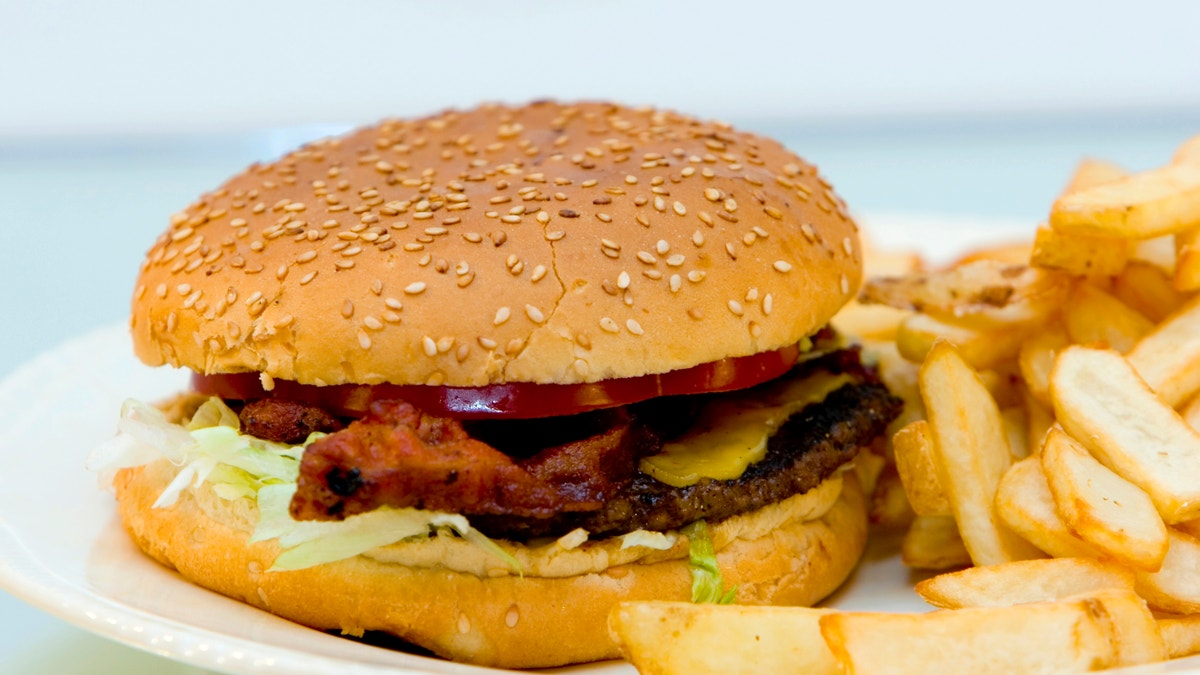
{"points": [[707, 584], [211, 449]]}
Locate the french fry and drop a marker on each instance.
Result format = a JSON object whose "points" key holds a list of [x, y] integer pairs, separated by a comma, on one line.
{"points": [[1181, 635], [982, 294], [1188, 152], [913, 448], [1141, 206], [1015, 253], [1039, 417], [1024, 503], [1052, 637], [1137, 639], [1187, 259], [1191, 413], [1104, 509], [1095, 318], [1101, 402], [1091, 172], [1168, 358], [1036, 358], [1157, 251], [889, 503], [683, 638], [1016, 429], [1079, 254], [872, 322], [1173, 587], [980, 348], [1148, 290], [933, 543], [971, 454], [1023, 581]]}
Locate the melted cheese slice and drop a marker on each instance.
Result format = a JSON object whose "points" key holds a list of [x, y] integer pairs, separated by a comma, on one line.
{"points": [[733, 431]]}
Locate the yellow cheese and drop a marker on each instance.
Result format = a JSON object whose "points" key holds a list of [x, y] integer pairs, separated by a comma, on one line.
{"points": [[732, 431]]}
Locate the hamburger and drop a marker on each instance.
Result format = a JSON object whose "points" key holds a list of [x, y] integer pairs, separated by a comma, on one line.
{"points": [[472, 379]]}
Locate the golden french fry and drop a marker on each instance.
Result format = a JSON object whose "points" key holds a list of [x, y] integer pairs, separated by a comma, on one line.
{"points": [[980, 348], [1036, 358], [1024, 503], [1187, 259], [1188, 152], [1104, 509], [1141, 206], [1023, 581], [1147, 289], [1039, 417], [1101, 402], [683, 638], [1189, 527], [1181, 635], [1091, 172], [981, 294], [1015, 253], [1051, 637], [1137, 639], [1095, 318], [1168, 358], [1016, 429], [1173, 587], [971, 454], [913, 448], [889, 503], [933, 543], [873, 322], [1079, 254], [1158, 252], [1191, 412]]}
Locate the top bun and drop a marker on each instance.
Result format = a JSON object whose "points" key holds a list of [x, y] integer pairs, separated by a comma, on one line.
{"points": [[544, 243]]}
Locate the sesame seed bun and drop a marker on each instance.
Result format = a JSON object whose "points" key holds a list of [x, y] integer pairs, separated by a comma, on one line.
{"points": [[543, 243], [793, 553]]}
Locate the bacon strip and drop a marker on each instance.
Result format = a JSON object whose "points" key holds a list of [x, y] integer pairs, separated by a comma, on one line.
{"points": [[397, 456]]}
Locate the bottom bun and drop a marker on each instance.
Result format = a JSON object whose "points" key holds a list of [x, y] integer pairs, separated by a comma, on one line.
{"points": [[507, 621]]}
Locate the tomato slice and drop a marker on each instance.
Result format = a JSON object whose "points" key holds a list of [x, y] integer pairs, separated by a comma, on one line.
{"points": [[515, 400]]}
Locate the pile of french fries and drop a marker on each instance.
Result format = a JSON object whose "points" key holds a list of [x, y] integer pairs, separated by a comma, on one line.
{"points": [[1048, 451]]}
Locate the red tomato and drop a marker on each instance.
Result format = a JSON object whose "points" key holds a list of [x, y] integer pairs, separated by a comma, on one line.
{"points": [[515, 399]]}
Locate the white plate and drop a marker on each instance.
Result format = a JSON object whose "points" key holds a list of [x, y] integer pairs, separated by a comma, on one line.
{"points": [[62, 549]]}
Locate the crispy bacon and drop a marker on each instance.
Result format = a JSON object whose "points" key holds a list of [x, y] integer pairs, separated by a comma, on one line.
{"points": [[285, 421], [397, 456]]}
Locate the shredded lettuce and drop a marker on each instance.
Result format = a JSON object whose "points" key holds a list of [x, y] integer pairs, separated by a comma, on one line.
{"points": [[212, 449], [707, 584]]}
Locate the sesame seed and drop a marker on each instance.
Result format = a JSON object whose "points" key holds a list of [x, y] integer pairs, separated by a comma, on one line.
{"points": [[845, 285], [364, 340], [675, 282], [696, 276], [773, 212], [623, 280], [372, 323], [782, 266], [511, 219], [660, 205], [652, 274], [502, 315], [429, 346], [538, 273], [695, 313], [435, 379], [608, 325], [662, 247], [675, 260], [705, 218], [848, 246], [731, 250], [473, 237], [307, 256], [514, 346], [535, 315], [768, 304], [680, 209], [755, 329], [752, 295], [344, 264], [634, 327], [543, 217], [647, 257], [308, 277], [415, 287], [487, 343], [712, 194], [610, 244], [735, 307], [698, 238], [748, 238], [555, 235], [808, 232]]}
